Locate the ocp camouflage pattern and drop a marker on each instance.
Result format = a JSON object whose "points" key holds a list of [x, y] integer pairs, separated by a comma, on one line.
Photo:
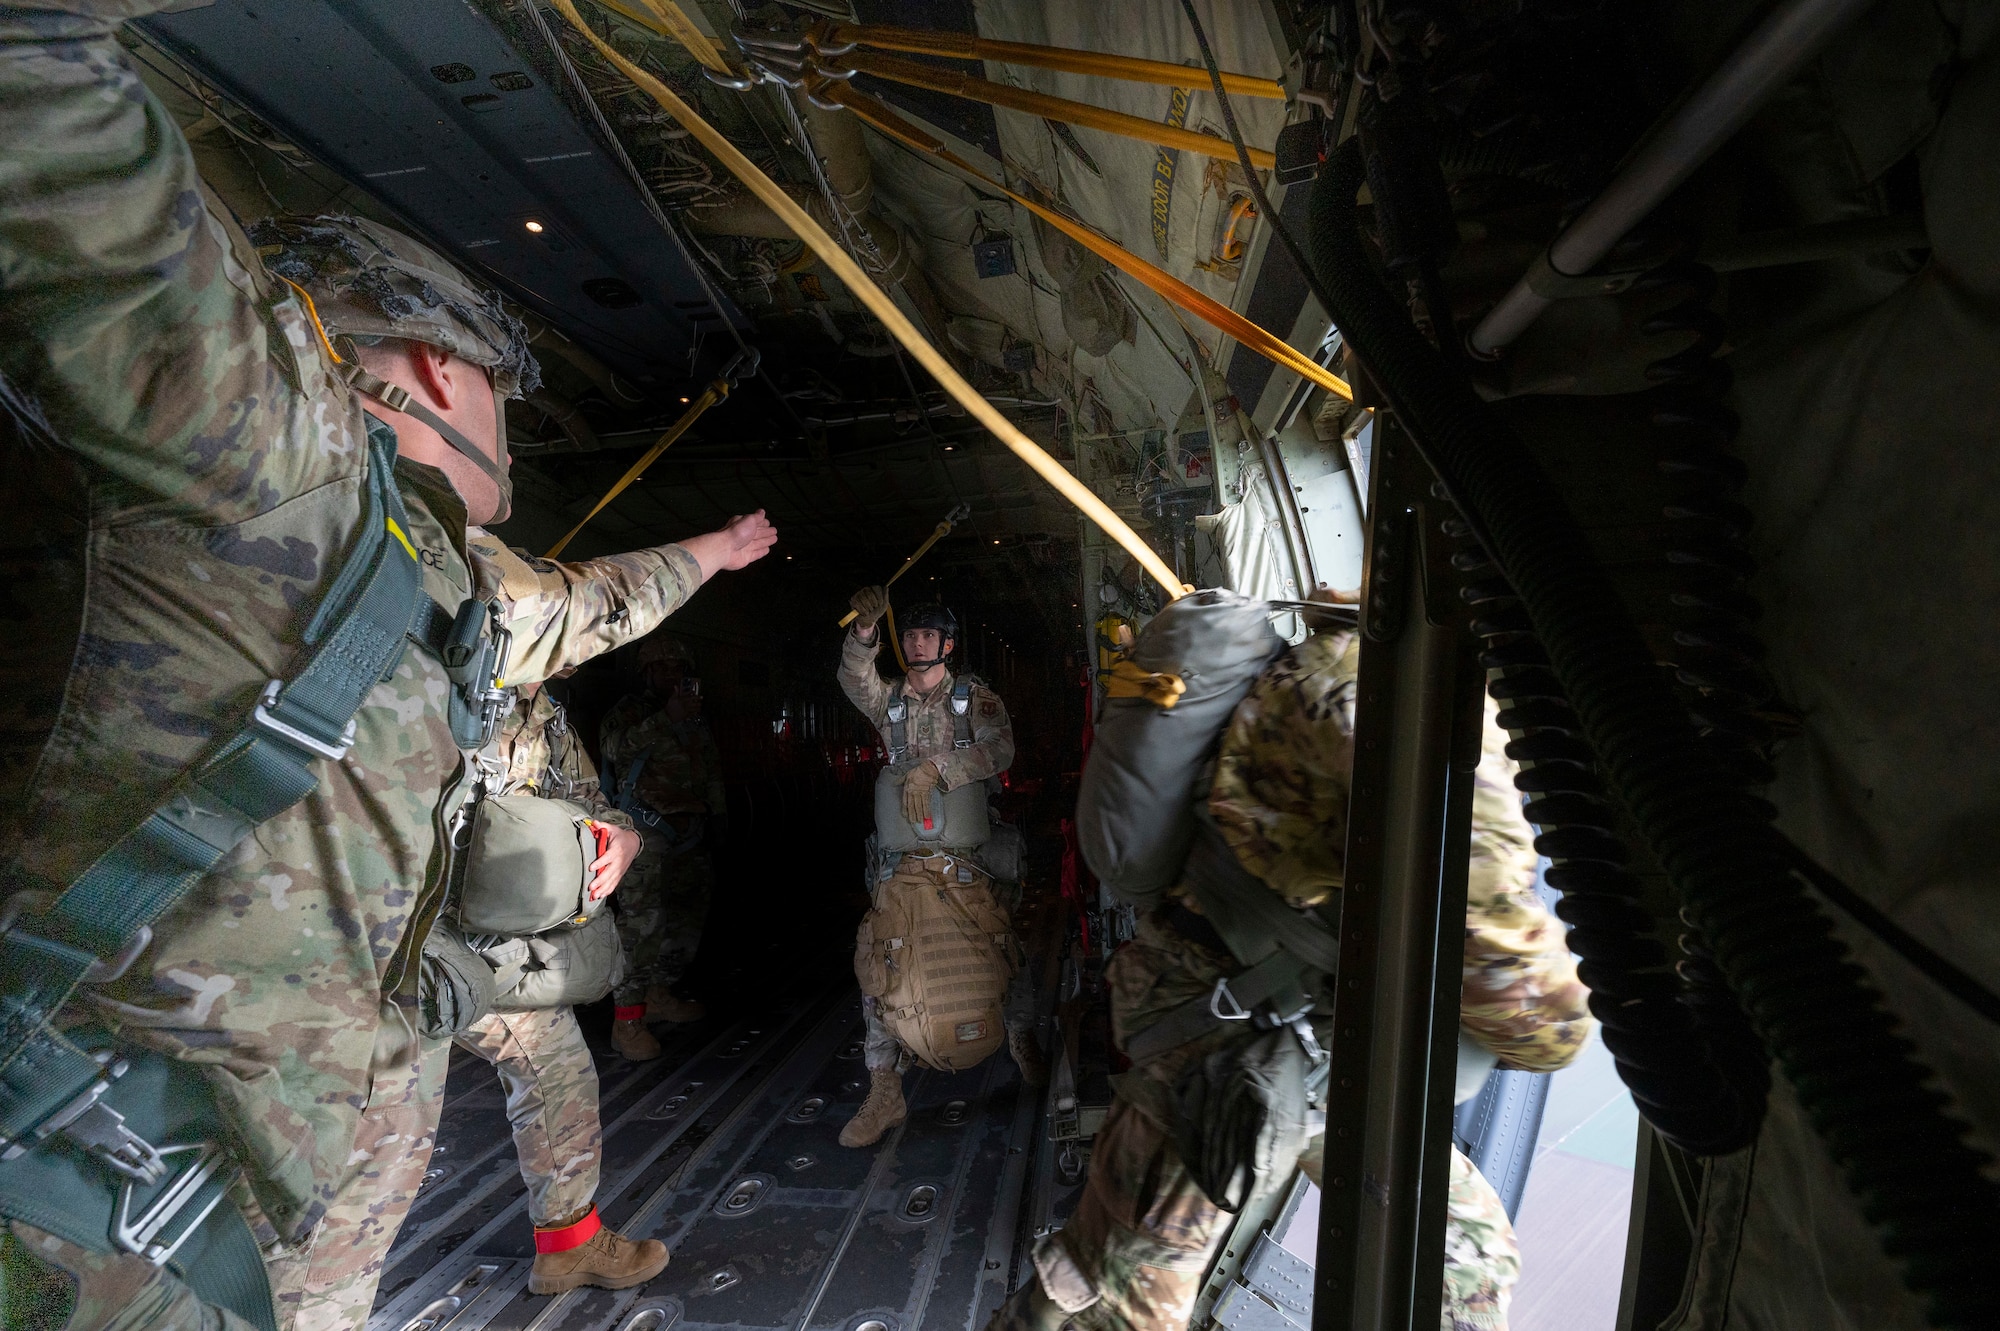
{"points": [[551, 1086], [538, 751], [683, 770], [929, 726], [1279, 796], [565, 613]]}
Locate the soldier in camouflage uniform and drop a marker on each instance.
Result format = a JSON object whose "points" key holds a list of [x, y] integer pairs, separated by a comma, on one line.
{"points": [[186, 466], [668, 773], [540, 1054], [927, 643], [1132, 1256]]}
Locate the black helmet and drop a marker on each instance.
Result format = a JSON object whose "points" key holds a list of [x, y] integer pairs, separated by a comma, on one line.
{"points": [[929, 615]]}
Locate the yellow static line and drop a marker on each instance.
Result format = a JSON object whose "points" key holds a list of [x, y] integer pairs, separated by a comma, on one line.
{"points": [[1103, 64], [1204, 307], [711, 395], [954, 84], [836, 258]]}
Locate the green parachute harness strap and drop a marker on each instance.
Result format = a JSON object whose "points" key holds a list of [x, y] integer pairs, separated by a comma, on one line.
{"points": [[140, 1121]]}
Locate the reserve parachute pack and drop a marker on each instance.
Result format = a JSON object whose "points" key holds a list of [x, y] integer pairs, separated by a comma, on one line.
{"points": [[526, 867], [124, 1150], [936, 956], [958, 819], [1152, 748]]}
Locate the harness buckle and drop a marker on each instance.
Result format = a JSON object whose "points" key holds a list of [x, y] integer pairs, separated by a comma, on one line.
{"points": [[292, 734], [101, 1130], [1221, 994], [144, 1235], [1307, 1040]]}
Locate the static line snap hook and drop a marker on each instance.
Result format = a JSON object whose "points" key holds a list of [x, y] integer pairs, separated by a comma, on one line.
{"points": [[743, 365]]}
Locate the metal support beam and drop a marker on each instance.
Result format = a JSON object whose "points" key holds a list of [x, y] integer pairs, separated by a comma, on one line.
{"points": [[1388, 1144]]}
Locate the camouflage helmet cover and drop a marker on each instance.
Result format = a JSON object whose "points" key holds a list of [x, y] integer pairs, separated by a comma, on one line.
{"points": [[664, 649], [369, 281]]}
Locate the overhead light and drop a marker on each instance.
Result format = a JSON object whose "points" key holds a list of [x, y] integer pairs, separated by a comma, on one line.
{"points": [[534, 226], [683, 399]]}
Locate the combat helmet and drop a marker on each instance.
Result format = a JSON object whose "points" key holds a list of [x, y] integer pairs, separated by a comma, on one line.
{"points": [[664, 649], [367, 282], [929, 615]]}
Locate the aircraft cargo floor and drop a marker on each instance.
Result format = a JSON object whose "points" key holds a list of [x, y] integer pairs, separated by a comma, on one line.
{"points": [[725, 1149]]}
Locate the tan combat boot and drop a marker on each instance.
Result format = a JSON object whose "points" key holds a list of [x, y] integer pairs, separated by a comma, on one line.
{"points": [[663, 1004], [586, 1253], [882, 1110], [630, 1039], [1028, 1057]]}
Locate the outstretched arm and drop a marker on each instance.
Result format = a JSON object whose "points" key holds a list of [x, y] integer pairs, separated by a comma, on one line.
{"points": [[563, 614]]}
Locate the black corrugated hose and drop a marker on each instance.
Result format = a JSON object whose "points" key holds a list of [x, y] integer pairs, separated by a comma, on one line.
{"points": [[1903, 1153]]}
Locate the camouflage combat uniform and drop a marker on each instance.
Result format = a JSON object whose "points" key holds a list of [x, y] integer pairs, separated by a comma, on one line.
{"points": [[543, 1062], [663, 901], [1132, 1256], [931, 731], [184, 479]]}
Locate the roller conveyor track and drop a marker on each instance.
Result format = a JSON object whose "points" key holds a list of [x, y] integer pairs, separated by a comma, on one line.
{"points": [[726, 1149]]}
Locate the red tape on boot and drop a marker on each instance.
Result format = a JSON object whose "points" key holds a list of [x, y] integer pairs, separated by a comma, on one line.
{"points": [[569, 1236], [636, 1012]]}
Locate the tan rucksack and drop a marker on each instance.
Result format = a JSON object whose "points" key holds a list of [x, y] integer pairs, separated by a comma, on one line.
{"points": [[937, 956]]}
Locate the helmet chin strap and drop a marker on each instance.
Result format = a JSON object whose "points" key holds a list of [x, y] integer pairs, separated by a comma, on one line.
{"points": [[397, 398], [914, 665]]}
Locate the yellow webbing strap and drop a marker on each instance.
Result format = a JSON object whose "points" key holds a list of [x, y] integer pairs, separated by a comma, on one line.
{"points": [[848, 271], [938, 533], [312, 313], [711, 395], [1129, 680], [1103, 64], [954, 84], [896, 639], [1203, 307]]}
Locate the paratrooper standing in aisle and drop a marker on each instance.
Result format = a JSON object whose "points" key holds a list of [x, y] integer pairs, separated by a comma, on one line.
{"points": [[664, 770], [947, 736]]}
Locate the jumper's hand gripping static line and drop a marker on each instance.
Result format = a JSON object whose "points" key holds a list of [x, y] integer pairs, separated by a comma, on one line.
{"points": [[943, 529]]}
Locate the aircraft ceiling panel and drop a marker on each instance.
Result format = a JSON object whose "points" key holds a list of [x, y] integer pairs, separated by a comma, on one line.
{"points": [[432, 109]]}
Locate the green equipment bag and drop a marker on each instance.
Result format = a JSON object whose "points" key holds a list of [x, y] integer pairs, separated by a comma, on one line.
{"points": [[1149, 763], [1241, 1115], [527, 866], [454, 984], [559, 968]]}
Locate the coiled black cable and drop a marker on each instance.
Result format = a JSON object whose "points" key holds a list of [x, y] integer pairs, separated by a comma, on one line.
{"points": [[1903, 1154], [1662, 1031], [1712, 643]]}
